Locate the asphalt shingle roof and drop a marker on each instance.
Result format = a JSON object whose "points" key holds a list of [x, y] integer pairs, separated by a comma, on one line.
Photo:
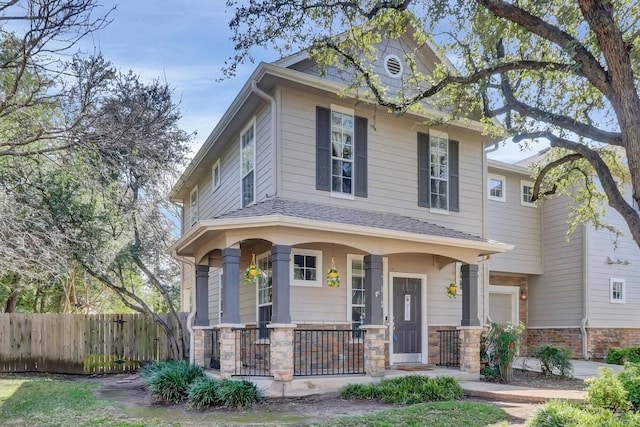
{"points": [[341, 215]]}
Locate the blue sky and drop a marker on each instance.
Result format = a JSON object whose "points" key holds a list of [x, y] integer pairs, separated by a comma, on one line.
{"points": [[186, 43]]}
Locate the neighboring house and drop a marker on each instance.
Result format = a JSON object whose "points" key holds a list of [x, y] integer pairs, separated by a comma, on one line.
{"points": [[581, 290], [305, 180]]}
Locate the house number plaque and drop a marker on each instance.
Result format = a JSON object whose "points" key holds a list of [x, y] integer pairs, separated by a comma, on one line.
{"points": [[407, 308]]}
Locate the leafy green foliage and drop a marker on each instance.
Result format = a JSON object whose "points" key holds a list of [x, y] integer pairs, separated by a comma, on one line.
{"points": [[203, 393], [169, 381], [238, 394], [553, 358], [616, 356], [607, 392], [500, 344], [407, 390], [560, 413], [630, 380]]}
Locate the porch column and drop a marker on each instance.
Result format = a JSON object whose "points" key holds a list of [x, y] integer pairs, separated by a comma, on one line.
{"points": [[469, 275], [229, 353], [374, 346], [373, 290], [202, 295], [280, 259], [231, 285]]}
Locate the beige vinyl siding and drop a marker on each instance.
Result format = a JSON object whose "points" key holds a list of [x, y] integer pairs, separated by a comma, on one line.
{"points": [[187, 282], [518, 225], [214, 295], [556, 298], [602, 244], [392, 163]]}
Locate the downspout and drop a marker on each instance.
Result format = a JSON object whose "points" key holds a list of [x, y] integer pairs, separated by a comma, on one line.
{"points": [[192, 313], [585, 280], [274, 106]]}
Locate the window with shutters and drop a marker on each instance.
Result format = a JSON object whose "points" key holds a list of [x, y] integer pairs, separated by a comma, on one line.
{"points": [[248, 163], [439, 170], [342, 151]]}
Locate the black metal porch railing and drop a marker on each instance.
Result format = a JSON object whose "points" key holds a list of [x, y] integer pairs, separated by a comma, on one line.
{"points": [[328, 352], [215, 349], [254, 352], [449, 347]]}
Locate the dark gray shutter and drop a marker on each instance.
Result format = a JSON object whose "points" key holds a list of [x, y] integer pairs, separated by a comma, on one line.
{"points": [[424, 196], [361, 131], [323, 149], [454, 193]]}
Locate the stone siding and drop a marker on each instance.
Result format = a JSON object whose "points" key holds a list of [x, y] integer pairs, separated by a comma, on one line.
{"points": [[523, 309], [434, 342], [570, 337], [600, 339]]}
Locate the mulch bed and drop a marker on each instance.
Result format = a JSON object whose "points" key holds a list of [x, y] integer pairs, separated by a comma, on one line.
{"points": [[525, 378]]}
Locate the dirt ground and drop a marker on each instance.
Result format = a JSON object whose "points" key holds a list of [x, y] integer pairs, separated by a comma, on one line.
{"points": [[130, 394]]}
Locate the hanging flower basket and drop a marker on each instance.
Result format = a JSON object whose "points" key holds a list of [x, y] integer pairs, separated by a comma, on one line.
{"points": [[253, 271], [333, 276], [452, 290]]}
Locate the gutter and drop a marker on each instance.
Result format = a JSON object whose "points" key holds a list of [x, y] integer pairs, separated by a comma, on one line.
{"points": [[585, 280], [274, 123], [192, 313]]}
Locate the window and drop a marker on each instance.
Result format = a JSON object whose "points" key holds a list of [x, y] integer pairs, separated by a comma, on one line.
{"points": [[342, 126], [616, 291], [248, 163], [355, 273], [193, 206], [526, 193], [497, 187], [265, 294], [438, 170], [306, 268], [215, 175]]}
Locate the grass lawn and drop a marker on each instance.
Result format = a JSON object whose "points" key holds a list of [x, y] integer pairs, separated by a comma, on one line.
{"points": [[31, 401], [434, 414]]}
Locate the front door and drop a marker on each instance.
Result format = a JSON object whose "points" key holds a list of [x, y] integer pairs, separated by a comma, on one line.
{"points": [[407, 319]]}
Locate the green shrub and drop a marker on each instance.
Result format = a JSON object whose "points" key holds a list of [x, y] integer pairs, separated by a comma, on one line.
{"points": [[407, 390], [169, 381], [615, 356], [630, 379], [203, 393], [632, 354], [553, 358], [499, 346], [560, 413], [238, 394], [607, 392], [147, 371]]}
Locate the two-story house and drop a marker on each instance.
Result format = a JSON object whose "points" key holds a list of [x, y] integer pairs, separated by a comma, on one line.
{"points": [[581, 290], [300, 180]]}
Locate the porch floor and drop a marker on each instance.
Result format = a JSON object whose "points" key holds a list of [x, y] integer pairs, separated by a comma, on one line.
{"points": [[310, 385]]}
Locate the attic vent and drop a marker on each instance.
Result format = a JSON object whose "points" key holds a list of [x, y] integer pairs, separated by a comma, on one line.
{"points": [[393, 66]]}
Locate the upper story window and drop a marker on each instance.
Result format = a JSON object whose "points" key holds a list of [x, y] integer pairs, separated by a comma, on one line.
{"points": [[439, 170], [215, 175], [616, 291], [342, 130], [497, 187], [193, 206], [248, 163], [526, 193], [306, 268]]}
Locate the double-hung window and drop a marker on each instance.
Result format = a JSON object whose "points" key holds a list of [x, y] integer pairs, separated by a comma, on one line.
{"points": [[497, 184], [265, 294], [342, 158], [356, 287], [248, 163], [439, 170], [616, 291], [215, 175], [193, 206], [526, 193]]}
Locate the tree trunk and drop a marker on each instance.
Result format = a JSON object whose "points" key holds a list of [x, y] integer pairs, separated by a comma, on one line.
{"points": [[12, 301]]}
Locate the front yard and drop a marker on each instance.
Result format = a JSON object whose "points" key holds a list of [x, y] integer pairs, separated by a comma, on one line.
{"points": [[121, 401]]}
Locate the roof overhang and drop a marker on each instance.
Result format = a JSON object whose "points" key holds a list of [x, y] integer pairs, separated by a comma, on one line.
{"points": [[508, 167]]}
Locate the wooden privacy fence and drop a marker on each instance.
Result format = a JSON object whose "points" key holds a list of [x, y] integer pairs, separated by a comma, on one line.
{"points": [[83, 344]]}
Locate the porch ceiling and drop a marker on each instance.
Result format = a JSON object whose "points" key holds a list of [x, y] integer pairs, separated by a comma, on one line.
{"points": [[289, 222]]}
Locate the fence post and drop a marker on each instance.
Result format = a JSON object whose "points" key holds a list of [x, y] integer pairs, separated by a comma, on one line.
{"points": [[374, 355], [229, 354], [281, 343]]}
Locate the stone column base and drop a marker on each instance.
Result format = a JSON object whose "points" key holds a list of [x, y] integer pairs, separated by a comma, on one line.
{"points": [[281, 351], [374, 349], [229, 354], [199, 347], [470, 348]]}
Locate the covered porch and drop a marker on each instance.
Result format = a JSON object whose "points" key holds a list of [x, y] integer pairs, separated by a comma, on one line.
{"points": [[389, 309]]}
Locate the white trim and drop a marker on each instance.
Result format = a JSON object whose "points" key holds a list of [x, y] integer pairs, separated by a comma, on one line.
{"points": [[251, 123], [319, 268], [438, 134], [385, 286], [528, 184], [350, 258], [215, 186], [347, 112], [496, 177], [613, 280], [386, 67], [424, 356], [343, 110], [193, 221], [257, 286], [514, 291], [441, 135], [439, 211]]}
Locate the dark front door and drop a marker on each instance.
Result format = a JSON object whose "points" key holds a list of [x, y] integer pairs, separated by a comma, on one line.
{"points": [[407, 317]]}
